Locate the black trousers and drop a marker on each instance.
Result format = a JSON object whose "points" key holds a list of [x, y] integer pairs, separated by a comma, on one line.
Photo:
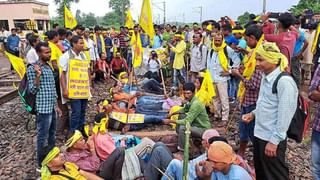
{"points": [[268, 168]]}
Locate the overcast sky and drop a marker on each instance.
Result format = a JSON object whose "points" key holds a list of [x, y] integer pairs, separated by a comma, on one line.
{"points": [[184, 10]]}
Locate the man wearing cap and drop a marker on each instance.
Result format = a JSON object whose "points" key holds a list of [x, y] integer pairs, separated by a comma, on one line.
{"points": [[273, 114], [54, 167], [178, 62], [196, 115], [220, 164], [175, 167]]}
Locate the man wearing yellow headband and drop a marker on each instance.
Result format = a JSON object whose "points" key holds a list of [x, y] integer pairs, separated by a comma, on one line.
{"points": [[238, 33], [218, 65], [273, 114], [178, 62], [82, 153], [249, 87], [55, 167]]}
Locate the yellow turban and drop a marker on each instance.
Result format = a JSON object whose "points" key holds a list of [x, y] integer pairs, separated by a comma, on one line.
{"points": [[101, 126], [271, 53], [210, 27], [76, 136], [45, 172], [179, 36]]}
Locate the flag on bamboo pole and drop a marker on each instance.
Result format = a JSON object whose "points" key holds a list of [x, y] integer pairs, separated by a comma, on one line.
{"points": [[17, 64], [129, 21], [145, 20], [137, 50], [69, 20]]}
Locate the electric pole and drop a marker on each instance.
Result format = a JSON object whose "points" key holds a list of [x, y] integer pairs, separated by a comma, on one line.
{"points": [[200, 11], [264, 6], [164, 12], [163, 9]]}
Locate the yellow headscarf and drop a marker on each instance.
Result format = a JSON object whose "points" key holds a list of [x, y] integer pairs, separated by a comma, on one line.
{"points": [[271, 53], [103, 45], [222, 56], [76, 136], [249, 68], [45, 171], [240, 31], [123, 80], [209, 27], [100, 127]]}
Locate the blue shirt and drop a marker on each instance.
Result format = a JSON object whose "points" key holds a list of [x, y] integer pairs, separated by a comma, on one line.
{"points": [[242, 43], [214, 65], [299, 43], [274, 112], [229, 39], [156, 42], [235, 173], [108, 42], [13, 43], [144, 40], [175, 168], [66, 45]]}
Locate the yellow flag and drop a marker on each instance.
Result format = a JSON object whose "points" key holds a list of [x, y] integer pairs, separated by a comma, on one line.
{"points": [[145, 20], [69, 20], [129, 21], [206, 92], [315, 41], [249, 68], [17, 64], [137, 50]]}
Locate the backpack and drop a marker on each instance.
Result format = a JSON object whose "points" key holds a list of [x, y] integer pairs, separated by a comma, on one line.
{"points": [[225, 52], [300, 121], [27, 98]]}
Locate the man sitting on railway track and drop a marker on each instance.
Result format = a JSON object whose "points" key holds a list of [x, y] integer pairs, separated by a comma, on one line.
{"points": [[196, 115]]}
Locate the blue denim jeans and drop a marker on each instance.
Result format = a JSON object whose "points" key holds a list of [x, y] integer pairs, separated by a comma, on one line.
{"points": [[246, 130], [315, 154], [147, 100], [78, 107], [46, 131], [233, 87]]}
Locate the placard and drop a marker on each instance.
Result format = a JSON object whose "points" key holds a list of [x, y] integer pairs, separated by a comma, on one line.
{"points": [[78, 80]]}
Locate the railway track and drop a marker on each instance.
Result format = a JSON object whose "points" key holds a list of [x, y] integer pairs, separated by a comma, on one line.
{"points": [[7, 89]]}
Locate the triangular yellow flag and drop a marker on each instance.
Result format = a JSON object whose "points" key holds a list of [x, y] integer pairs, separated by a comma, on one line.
{"points": [[137, 50], [69, 20], [129, 21], [145, 20], [17, 64], [206, 92]]}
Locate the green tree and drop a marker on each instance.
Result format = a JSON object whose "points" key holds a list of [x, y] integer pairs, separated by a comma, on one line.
{"points": [[90, 20], [120, 7], [244, 18], [60, 6], [298, 9], [111, 18]]}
